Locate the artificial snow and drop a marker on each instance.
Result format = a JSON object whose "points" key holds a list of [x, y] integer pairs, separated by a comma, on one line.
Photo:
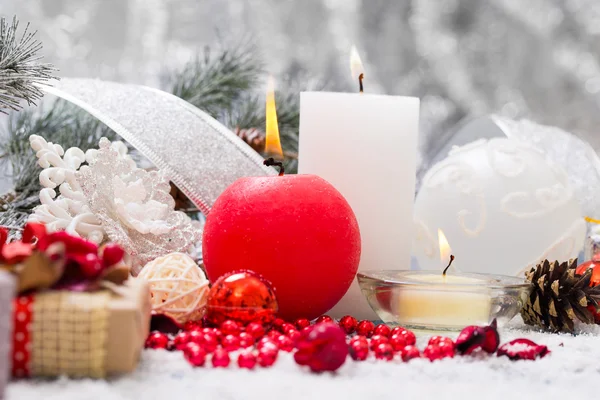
{"points": [[571, 370]]}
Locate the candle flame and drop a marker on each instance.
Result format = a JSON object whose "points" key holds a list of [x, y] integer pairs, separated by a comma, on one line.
{"points": [[445, 250], [356, 66], [272, 142]]}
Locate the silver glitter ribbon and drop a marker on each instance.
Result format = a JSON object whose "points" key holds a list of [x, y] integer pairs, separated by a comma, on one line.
{"points": [[196, 152]]}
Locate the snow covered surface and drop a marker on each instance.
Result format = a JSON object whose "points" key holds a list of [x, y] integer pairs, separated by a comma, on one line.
{"points": [[571, 371]]}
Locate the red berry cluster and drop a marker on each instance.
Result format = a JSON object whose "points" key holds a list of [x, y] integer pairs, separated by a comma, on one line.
{"points": [[325, 345]]}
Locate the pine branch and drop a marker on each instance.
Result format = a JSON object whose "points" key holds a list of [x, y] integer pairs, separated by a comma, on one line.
{"points": [[20, 69]]}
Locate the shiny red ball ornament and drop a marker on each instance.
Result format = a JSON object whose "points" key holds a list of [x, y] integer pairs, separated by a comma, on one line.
{"points": [[209, 342], [473, 337], [365, 328], [594, 265], [180, 340], [297, 231], [255, 329], [157, 340], [246, 340], [433, 352], [230, 343], [522, 349], [243, 297], [376, 340], [323, 318], [323, 349], [230, 327], [273, 334], [409, 336], [285, 343], [268, 343], [398, 342], [194, 354], [193, 326], [220, 358], [382, 330], [294, 336], [287, 327], [278, 323], [409, 352], [301, 323], [359, 349], [437, 340], [348, 323], [247, 359], [447, 349], [384, 351], [267, 356]]}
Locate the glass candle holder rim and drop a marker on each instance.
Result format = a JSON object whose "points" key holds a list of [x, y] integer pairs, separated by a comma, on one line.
{"points": [[402, 278]]}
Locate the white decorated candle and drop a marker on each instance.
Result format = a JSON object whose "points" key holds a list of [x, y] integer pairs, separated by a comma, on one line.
{"points": [[365, 145]]}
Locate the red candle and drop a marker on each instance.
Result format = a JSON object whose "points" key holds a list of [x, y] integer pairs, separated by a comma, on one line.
{"points": [[297, 231]]}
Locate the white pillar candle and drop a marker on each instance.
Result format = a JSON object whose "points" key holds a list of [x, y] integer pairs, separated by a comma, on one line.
{"points": [[365, 145]]}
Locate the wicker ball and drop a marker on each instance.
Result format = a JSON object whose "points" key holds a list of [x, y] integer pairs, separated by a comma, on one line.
{"points": [[178, 287]]}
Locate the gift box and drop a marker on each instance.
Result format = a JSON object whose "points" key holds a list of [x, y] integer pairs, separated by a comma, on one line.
{"points": [[76, 312], [7, 290], [80, 334]]}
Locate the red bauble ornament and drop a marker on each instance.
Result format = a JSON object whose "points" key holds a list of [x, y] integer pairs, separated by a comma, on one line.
{"points": [[294, 336], [193, 326], [256, 330], [437, 340], [230, 343], [302, 323], [246, 340], [230, 327], [409, 352], [180, 340], [447, 349], [247, 359], [209, 342], [220, 358], [317, 239], [348, 323], [382, 330], [323, 318], [359, 348], [365, 328], [157, 340], [267, 342], [398, 342], [285, 343], [376, 340], [287, 327], [595, 265], [408, 336], [323, 349], [384, 351], [433, 352], [522, 349], [194, 354], [241, 296]]}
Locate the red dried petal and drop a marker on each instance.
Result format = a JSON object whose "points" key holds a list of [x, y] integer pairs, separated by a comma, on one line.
{"points": [[33, 230], [73, 244], [475, 337], [112, 254], [15, 252], [522, 349]]}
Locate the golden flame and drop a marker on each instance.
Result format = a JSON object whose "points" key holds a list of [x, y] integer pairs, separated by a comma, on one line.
{"points": [[445, 250], [356, 66], [272, 143]]}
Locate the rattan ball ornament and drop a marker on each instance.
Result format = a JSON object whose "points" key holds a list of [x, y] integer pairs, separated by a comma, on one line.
{"points": [[178, 287]]}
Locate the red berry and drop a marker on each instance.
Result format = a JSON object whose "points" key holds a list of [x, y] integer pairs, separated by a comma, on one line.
{"points": [[209, 342], [286, 327], [193, 326], [230, 343], [273, 334], [323, 349], [409, 352], [285, 343], [384, 351], [323, 318], [359, 338], [305, 331], [447, 349], [433, 352], [409, 336], [267, 356], [194, 354], [365, 328], [278, 323], [376, 340], [301, 323], [397, 329], [294, 336], [437, 340], [213, 331], [348, 323], [220, 358], [180, 340], [230, 327], [196, 337], [382, 330], [398, 342], [267, 342], [157, 340], [246, 340], [256, 330], [359, 349], [247, 359]]}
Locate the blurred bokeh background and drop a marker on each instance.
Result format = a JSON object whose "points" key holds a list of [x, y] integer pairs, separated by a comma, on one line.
{"points": [[537, 59]]}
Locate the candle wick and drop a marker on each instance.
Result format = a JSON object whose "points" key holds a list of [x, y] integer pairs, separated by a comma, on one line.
{"points": [[449, 264], [270, 162], [360, 83]]}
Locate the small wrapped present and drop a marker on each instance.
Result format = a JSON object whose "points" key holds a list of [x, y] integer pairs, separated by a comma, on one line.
{"points": [[7, 290], [76, 314]]}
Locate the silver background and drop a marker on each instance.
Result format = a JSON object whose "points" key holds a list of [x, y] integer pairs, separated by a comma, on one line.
{"points": [[538, 59]]}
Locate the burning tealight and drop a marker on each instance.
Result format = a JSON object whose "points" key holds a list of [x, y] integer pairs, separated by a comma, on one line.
{"points": [[434, 300]]}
